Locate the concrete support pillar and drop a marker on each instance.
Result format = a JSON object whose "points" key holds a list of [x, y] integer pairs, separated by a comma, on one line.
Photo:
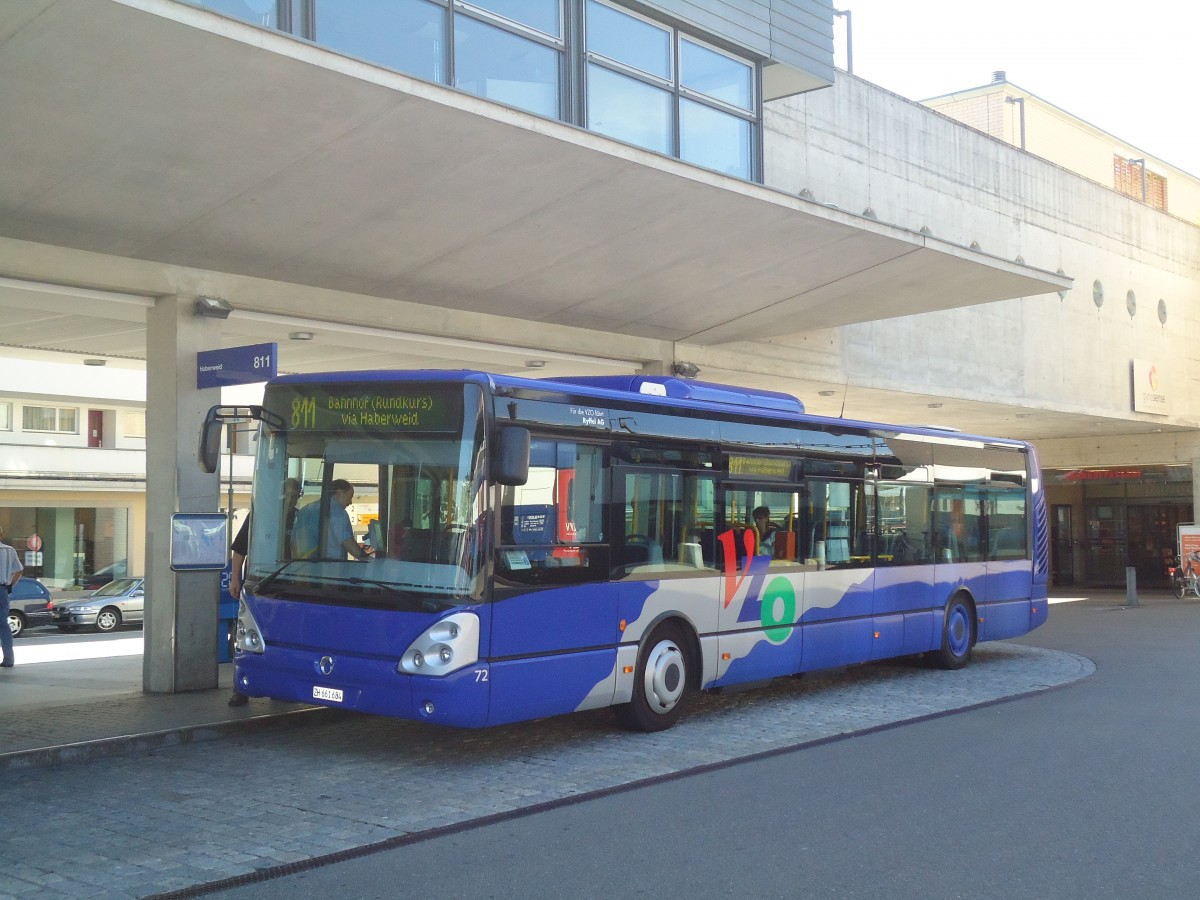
{"points": [[1196, 490], [181, 607]]}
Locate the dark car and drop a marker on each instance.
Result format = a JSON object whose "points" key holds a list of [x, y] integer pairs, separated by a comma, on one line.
{"points": [[28, 606], [103, 576], [118, 603]]}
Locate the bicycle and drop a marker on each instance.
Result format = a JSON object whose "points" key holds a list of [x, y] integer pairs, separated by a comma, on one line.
{"points": [[1184, 581], [1179, 583]]}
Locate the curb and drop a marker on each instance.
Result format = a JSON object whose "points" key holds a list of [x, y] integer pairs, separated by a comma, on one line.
{"points": [[86, 751]]}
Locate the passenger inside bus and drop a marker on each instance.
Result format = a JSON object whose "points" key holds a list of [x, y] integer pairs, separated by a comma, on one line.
{"points": [[765, 530]]}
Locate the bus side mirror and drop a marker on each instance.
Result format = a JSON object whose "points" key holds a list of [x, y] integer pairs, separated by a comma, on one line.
{"points": [[511, 464], [210, 441]]}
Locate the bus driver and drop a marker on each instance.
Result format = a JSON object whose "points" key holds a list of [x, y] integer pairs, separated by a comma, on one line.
{"points": [[338, 539]]}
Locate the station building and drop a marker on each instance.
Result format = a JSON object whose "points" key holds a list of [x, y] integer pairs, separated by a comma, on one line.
{"points": [[560, 187]]}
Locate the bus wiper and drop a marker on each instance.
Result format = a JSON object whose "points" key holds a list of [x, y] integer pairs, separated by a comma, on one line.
{"points": [[397, 588], [266, 582]]}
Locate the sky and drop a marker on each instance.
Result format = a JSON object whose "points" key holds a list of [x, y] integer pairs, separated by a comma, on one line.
{"points": [[1129, 68]]}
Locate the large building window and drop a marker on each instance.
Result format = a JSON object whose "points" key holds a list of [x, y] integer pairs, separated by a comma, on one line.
{"points": [[6, 419], [715, 140], [508, 67], [589, 62], [543, 15], [64, 420], [257, 12], [703, 109], [406, 35], [629, 110]]}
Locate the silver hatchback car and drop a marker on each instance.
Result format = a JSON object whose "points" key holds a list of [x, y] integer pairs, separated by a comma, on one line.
{"points": [[119, 602]]}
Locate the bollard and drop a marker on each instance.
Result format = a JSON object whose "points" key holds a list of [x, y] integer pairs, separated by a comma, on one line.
{"points": [[1131, 598]]}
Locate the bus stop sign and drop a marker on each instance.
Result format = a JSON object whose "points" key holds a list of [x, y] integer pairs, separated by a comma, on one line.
{"points": [[236, 365]]}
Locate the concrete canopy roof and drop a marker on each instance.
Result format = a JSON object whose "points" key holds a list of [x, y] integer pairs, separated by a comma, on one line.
{"points": [[155, 131]]}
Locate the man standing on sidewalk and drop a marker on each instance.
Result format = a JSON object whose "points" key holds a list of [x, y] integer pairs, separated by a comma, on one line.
{"points": [[10, 574]]}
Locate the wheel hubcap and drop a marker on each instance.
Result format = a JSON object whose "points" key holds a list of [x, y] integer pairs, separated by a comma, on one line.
{"points": [[665, 676], [958, 631]]}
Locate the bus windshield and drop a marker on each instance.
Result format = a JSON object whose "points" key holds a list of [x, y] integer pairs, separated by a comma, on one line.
{"points": [[370, 497]]}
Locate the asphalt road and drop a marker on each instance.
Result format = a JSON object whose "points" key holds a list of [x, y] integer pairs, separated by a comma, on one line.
{"points": [[1087, 791]]}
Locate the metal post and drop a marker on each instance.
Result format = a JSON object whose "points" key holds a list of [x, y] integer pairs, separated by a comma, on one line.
{"points": [[230, 441], [1142, 163], [1131, 597], [845, 14], [1019, 101]]}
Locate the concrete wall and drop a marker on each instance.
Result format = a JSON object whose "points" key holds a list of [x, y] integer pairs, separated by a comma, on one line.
{"points": [[858, 146]]}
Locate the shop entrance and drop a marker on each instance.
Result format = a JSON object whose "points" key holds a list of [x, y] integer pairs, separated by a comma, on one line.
{"points": [[1152, 541], [1062, 545], [1121, 535]]}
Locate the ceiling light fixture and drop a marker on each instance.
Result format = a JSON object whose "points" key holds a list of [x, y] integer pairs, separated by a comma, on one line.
{"points": [[213, 308], [300, 335], [535, 363], [95, 362]]}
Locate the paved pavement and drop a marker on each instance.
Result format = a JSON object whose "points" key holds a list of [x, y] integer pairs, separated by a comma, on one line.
{"points": [[108, 791]]}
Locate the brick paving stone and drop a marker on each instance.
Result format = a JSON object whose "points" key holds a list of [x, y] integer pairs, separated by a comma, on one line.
{"points": [[183, 814]]}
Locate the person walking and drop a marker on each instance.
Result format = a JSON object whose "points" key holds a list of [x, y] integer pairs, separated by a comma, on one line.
{"points": [[10, 574]]}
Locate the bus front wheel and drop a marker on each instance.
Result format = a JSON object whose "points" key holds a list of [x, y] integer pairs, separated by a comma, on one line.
{"points": [[660, 682], [958, 635]]}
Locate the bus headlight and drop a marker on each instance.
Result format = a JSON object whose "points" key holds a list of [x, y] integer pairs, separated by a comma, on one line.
{"points": [[445, 647], [249, 638]]}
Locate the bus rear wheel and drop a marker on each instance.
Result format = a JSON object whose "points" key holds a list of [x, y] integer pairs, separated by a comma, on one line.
{"points": [[660, 686], [958, 635]]}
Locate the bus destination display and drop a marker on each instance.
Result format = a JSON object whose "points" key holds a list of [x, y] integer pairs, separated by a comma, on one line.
{"points": [[366, 410]]}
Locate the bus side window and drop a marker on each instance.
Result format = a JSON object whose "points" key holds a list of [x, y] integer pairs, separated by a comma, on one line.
{"points": [[904, 534], [550, 526], [839, 535]]}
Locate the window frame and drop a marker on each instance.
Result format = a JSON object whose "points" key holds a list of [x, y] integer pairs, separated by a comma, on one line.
{"points": [[301, 18], [136, 415], [675, 87], [58, 410]]}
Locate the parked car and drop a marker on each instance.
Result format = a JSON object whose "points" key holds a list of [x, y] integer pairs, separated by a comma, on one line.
{"points": [[103, 576], [118, 603], [28, 606]]}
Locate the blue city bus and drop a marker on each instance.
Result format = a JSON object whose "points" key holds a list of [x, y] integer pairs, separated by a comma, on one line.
{"points": [[530, 547]]}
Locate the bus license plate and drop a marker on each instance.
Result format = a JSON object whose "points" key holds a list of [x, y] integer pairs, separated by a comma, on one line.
{"points": [[324, 693]]}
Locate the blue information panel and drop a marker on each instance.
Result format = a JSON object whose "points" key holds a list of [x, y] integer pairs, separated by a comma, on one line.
{"points": [[198, 541], [237, 365]]}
